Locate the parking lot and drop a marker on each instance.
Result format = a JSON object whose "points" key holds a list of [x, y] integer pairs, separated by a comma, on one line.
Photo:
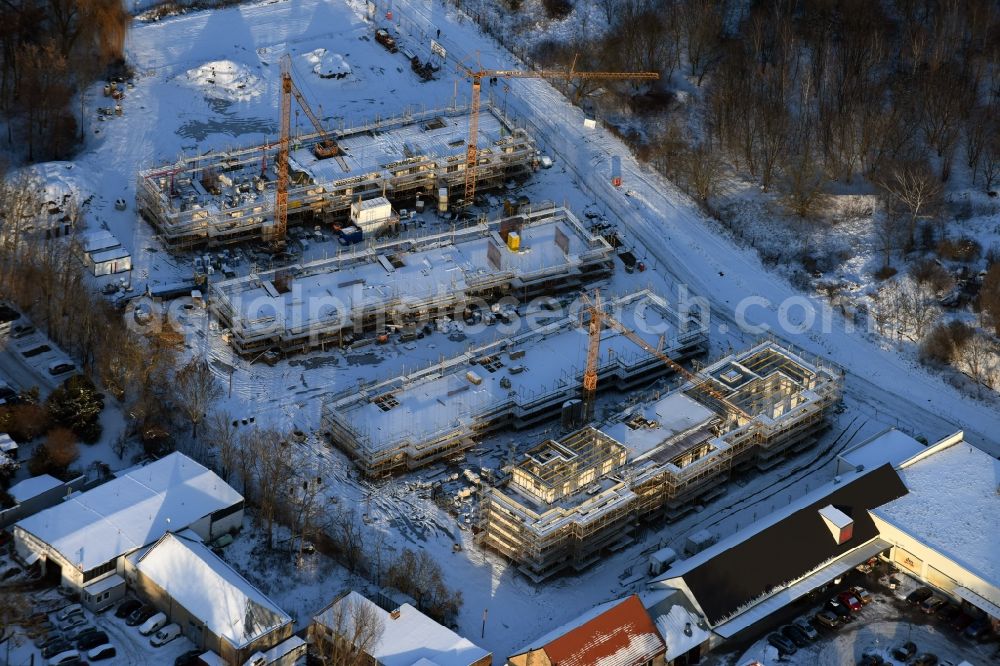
{"points": [[27, 357], [890, 626], [60, 629]]}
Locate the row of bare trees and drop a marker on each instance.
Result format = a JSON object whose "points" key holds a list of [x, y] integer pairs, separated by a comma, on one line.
{"points": [[49, 50]]}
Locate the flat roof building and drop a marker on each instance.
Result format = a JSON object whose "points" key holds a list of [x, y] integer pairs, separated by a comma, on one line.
{"points": [[568, 501], [87, 536], [228, 197], [332, 301], [412, 420]]}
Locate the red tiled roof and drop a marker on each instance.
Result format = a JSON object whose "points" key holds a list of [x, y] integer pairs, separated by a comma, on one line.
{"points": [[621, 636]]}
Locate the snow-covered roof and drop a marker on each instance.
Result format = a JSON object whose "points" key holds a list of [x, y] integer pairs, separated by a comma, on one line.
{"points": [[892, 446], [407, 639], [194, 577], [673, 625], [111, 254], [674, 414], [106, 583], [7, 443], [33, 487], [97, 240], [131, 511], [953, 506]]}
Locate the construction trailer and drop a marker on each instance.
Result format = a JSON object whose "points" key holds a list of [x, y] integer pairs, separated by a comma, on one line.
{"points": [[395, 283], [569, 501], [409, 421], [229, 197]]}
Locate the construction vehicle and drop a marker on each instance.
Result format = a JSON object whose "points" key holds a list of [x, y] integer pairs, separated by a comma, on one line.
{"points": [[326, 147], [477, 77], [598, 319]]}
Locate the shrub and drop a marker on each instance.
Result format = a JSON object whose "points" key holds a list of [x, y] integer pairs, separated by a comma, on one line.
{"points": [[885, 273], [932, 274], [944, 342], [964, 249], [557, 9], [77, 405]]}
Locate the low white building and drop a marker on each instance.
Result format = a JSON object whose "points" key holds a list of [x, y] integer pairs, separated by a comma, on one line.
{"points": [[103, 254], [945, 530], [371, 215], [86, 538]]}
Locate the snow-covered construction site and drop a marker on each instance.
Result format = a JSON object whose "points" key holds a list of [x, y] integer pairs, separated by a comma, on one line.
{"points": [[568, 501], [400, 282], [441, 411], [227, 197]]}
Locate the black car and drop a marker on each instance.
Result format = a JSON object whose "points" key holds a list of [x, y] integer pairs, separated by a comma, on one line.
{"points": [[795, 635], [189, 658], [838, 609], [128, 607], [904, 652], [7, 314], [53, 649], [926, 659], [978, 630], [140, 615], [919, 595], [783, 645], [91, 640], [949, 612]]}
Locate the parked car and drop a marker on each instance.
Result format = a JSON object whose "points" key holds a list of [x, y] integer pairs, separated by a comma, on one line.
{"points": [[60, 368], [926, 659], [165, 635], [871, 660], [36, 351], [848, 599], [106, 651], [189, 658], [66, 611], [949, 612], [154, 623], [828, 619], [838, 609], [863, 595], [978, 630], [19, 331], [74, 633], [961, 621], [51, 639], [55, 648], [65, 658], [91, 639], [795, 635], [71, 622], [919, 595], [783, 645], [932, 605], [140, 615], [807, 629], [905, 651], [127, 607]]}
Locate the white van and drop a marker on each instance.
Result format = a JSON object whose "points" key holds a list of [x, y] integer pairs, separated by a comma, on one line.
{"points": [[67, 657], [165, 635], [106, 651], [154, 623]]}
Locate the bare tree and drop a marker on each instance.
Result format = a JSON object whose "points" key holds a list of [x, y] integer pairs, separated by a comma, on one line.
{"points": [[223, 436], [979, 358], [348, 633], [268, 470], [197, 389], [912, 186]]}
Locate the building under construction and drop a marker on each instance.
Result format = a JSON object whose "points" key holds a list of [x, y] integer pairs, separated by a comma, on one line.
{"points": [[540, 252], [568, 501], [229, 197], [439, 412]]}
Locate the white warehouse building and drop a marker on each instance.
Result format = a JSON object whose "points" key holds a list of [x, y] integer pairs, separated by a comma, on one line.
{"points": [[82, 542]]}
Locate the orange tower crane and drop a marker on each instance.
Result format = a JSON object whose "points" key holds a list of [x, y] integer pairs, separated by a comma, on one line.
{"points": [[477, 76], [598, 318], [327, 146]]}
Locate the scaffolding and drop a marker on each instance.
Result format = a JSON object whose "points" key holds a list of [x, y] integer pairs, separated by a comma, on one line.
{"points": [[405, 281], [222, 198], [409, 421], [675, 451]]}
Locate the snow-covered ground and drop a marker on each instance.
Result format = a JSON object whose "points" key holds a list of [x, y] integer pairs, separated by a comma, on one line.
{"points": [[171, 110]]}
